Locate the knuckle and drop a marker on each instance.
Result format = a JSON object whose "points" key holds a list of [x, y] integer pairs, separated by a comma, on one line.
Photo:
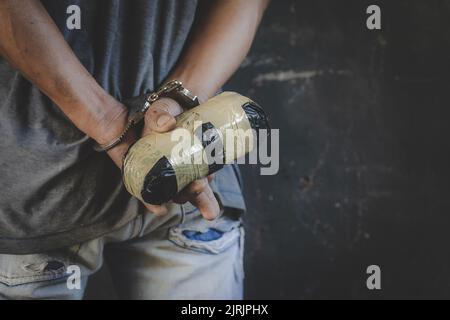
{"points": [[166, 104], [151, 114], [198, 186]]}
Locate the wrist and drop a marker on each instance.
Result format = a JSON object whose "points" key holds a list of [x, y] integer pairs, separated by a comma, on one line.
{"points": [[118, 152], [200, 88], [112, 122], [111, 125]]}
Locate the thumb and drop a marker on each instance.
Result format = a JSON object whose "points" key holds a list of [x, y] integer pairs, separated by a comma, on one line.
{"points": [[207, 203], [158, 211], [161, 116]]}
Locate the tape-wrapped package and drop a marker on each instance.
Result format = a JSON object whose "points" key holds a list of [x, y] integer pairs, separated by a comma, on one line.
{"points": [[215, 133]]}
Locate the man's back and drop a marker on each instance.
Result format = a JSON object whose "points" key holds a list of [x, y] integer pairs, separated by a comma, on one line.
{"points": [[63, 207], [55, 188]]}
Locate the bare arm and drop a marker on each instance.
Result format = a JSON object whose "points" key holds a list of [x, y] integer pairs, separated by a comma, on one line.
{"points": [[222, 36], [31, 42]]}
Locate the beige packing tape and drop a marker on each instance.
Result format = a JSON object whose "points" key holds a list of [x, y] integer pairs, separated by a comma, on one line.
{"points": [[223, 112]]}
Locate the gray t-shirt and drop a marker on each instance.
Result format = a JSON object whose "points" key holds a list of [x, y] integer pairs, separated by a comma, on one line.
{"points": [[55, 190]]}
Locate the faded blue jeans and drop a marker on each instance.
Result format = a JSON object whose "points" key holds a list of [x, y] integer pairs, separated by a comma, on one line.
{"points": [[178, 256]]}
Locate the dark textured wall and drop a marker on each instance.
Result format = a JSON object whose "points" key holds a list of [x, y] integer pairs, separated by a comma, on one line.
{"points": [[363, 118]]}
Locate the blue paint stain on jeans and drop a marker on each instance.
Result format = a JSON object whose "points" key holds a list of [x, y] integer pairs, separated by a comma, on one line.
{"points": [[210, 235]]}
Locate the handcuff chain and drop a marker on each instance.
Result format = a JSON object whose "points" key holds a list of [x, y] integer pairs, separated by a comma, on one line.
{"points": [[137, 117], [167, 88]]}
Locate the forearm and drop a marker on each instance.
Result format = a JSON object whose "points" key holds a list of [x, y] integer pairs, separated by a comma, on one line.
{"points": [[220, 40], [31, 42]]}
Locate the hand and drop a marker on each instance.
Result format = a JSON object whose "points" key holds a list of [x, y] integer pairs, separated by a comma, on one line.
{"points": [[161, 118]]}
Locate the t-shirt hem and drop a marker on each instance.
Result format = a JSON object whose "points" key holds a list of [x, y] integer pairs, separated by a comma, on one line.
{"points": [[50, 242]]}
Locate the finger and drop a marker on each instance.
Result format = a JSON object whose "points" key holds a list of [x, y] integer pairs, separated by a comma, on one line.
{"points": [[158, 211], [191, 191], [211, 177], [196, 187], [161, 116], [206, 202]]}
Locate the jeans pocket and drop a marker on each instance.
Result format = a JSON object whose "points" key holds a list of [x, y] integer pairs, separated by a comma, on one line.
{"points": [[25, 269], [210, 237]]}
